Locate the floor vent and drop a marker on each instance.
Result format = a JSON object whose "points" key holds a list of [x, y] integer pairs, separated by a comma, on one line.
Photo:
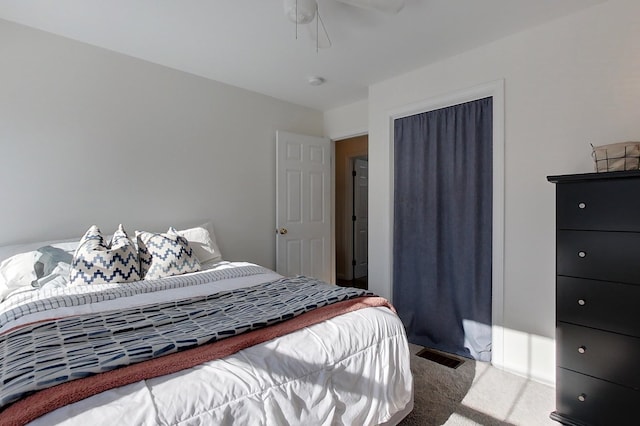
{"points": [[440, 358]]}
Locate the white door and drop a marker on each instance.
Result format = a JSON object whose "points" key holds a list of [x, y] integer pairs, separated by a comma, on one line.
{"points": [[361, 217], [303, 198]]}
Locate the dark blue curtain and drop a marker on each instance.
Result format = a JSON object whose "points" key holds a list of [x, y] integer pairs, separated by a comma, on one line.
{"points": [[442, 227]]}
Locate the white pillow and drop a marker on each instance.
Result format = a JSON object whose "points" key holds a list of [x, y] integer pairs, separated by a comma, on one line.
{"points": [[203, 242], [68, 245], [46, 267], [17, 273], [165, 255]]}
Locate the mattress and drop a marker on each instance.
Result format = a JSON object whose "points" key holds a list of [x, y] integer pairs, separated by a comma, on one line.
{"points": [[352, 369]]}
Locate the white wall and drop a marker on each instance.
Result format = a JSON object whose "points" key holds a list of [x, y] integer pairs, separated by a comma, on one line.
{"points": [[347, 121], [568, 83], [91, 136]]}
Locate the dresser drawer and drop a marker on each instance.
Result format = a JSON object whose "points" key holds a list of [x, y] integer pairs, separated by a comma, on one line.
{"points": [[608, 256], [602, 354], [600, 304], [608, 205], [594, 401]]}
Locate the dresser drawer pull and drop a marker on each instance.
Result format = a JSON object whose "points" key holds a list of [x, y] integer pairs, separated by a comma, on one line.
{"points": [[582, 254], [581, 205], [581, 302], [582, 397], [582, 349]]}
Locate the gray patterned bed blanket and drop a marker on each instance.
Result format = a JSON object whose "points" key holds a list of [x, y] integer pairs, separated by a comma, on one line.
{"points": [[43, 354]]}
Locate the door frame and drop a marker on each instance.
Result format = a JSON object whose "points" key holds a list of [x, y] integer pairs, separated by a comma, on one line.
{"points": [[494, 89], [335, 139]]}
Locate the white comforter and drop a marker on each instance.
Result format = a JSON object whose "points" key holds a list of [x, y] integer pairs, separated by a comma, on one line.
{"points": [[351, 370]]}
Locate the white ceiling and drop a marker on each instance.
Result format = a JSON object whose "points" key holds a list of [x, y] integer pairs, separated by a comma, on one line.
{"points": [[250, 43]]}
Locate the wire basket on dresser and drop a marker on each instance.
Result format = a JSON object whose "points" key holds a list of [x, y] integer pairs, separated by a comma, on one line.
{"points": [[616, 157]]}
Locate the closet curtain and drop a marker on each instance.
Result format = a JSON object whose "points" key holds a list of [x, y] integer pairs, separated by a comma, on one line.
{"points": [[442, 227]]}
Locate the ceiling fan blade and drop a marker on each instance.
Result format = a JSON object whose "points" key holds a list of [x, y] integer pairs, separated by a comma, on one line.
{"points": [[386, 6]]}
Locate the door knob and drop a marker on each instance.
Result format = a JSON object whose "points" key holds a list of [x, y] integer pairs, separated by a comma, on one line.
{"points": [[283, 231]]}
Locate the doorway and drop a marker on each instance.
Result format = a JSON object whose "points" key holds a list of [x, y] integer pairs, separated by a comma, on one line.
{"points": [[383, 265], [351, 211], [443, 192]]}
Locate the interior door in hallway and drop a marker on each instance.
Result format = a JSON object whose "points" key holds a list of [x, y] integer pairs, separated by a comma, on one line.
{"points": [[360, 216]]}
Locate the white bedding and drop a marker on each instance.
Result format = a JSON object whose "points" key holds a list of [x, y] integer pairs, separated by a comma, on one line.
{"points": [[351, 370]]}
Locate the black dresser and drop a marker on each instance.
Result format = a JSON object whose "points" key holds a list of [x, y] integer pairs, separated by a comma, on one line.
{"points": [[598, 298]]}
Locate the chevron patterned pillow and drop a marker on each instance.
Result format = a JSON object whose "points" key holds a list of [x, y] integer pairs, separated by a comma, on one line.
{"points": [[95, 262], [164, 255]]}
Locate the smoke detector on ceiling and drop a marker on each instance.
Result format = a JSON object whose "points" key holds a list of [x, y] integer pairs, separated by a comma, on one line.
{"points": [[315, 80]]}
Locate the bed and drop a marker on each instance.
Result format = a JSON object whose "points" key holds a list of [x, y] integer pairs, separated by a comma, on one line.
{"points": [[231, 343]]}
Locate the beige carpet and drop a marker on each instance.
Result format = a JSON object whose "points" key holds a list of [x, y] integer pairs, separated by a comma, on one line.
{"points": [[476, 394]]}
